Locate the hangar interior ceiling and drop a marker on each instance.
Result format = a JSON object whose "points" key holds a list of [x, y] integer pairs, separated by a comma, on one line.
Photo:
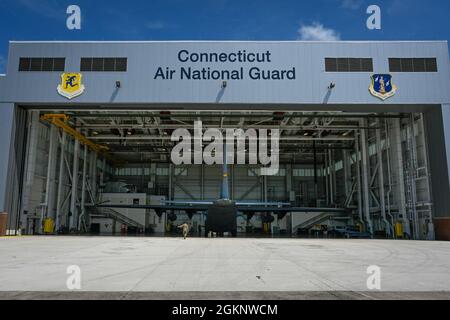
{"points": [[374, 165], [145, 136]]}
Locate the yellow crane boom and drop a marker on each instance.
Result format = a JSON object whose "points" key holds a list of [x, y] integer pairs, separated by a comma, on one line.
{"points": [[60, 121]]}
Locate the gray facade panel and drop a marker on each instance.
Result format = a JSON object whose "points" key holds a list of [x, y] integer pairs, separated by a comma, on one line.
{"points": [[308, 87]]}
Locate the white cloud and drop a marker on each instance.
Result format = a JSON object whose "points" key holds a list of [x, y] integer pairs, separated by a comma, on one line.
{"points": [[351, 4], [317, 32]]}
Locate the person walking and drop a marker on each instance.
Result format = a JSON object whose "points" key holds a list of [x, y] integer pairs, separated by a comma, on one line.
{"points": [[185, 228]]}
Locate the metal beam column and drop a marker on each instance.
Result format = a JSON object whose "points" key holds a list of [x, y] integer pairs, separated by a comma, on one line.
{"points": [[347, 172], [358, 178], [332, 173], [102, 174], [83, 186], [170, 195], [365, 176], [61, 180], [288, 181], [73, 201], [397, 156], [316, 184], [202, 181], [326, 176], [94, 175], [51, 174], [381, 178], [30, 167]]}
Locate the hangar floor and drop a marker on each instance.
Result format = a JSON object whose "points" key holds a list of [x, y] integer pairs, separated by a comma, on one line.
{"points": [[35, 267]]}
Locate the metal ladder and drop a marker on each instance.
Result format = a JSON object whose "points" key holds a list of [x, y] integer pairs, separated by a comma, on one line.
{"points": [[112, 214], [317, 219]]}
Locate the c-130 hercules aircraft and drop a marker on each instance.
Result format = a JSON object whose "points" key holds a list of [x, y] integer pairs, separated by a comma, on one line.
{"points": [[221, 214]]}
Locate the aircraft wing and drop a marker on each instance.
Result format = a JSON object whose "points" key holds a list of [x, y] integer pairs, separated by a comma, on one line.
{"points": [[288, 209], [181, 207], [193, 207]]}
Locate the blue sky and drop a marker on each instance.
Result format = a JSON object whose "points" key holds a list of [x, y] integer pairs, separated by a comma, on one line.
{"points": [[222, 20]]}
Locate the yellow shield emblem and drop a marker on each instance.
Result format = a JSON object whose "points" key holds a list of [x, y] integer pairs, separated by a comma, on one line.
{"points": [[71, 85]]}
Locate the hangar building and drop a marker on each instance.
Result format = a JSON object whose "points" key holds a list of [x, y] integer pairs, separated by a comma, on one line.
{"points": [[364, 127]]}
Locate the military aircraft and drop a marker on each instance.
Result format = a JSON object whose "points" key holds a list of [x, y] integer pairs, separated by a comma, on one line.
{"points": [[221, 214]]}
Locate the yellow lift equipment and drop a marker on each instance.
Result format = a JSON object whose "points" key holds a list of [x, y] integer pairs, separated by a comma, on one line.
{"points": [[61, 121]]}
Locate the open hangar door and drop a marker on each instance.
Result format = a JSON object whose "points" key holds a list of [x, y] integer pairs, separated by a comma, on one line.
{"points": [[375, 165]]}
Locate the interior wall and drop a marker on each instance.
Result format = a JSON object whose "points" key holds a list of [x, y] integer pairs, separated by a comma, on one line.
{"points": [[15, 168], [437, 128], [6, 127], [438, 163]]}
